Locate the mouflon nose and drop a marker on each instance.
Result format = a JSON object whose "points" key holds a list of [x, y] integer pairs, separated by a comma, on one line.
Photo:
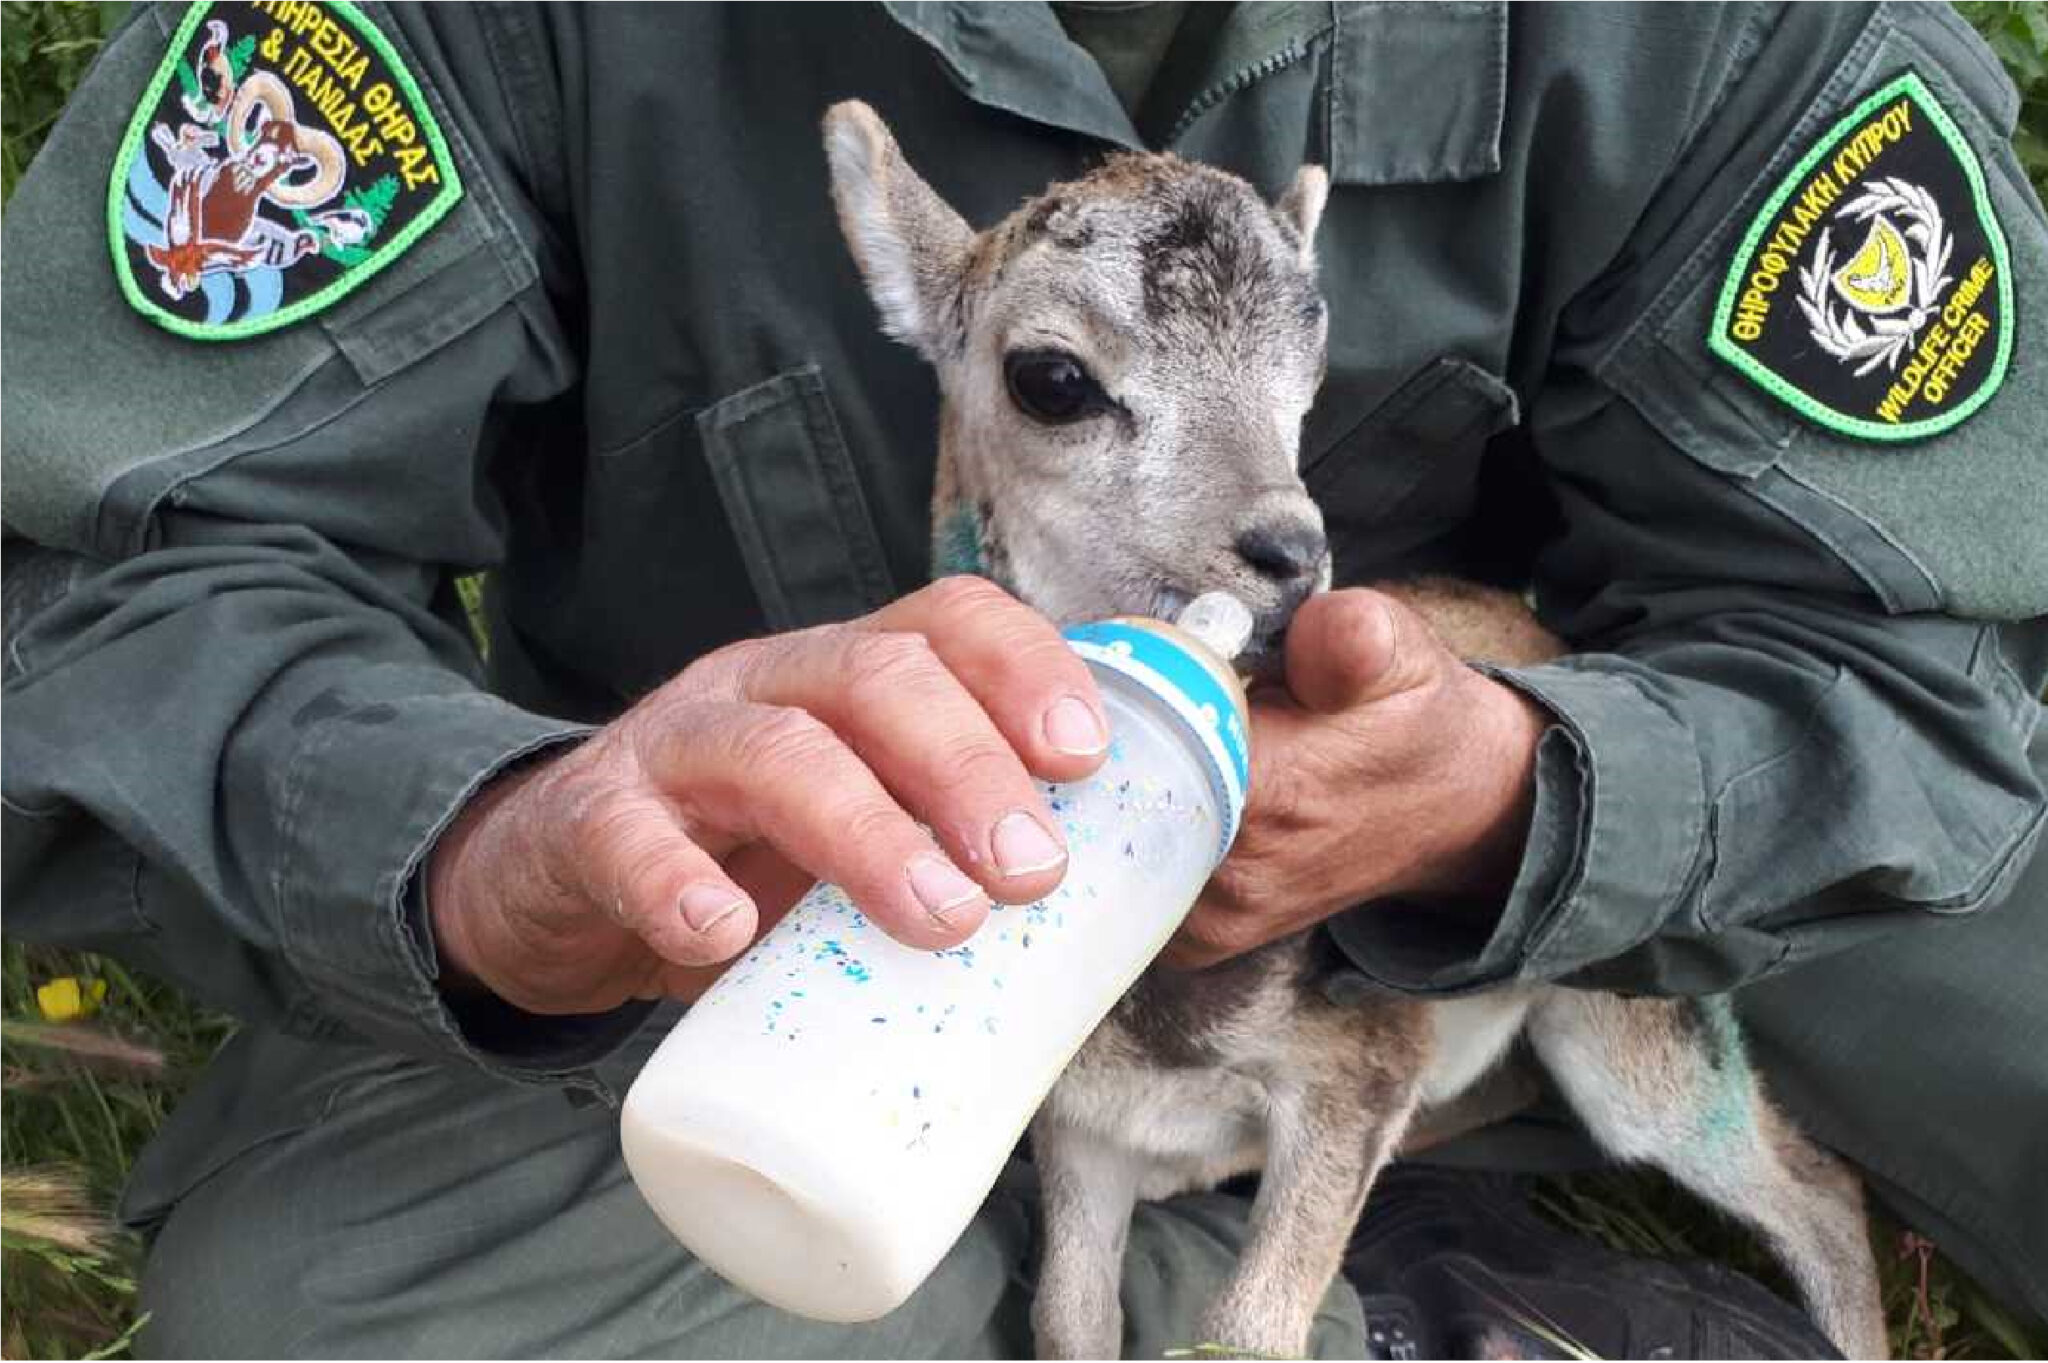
{"points": [[1284, 551]]}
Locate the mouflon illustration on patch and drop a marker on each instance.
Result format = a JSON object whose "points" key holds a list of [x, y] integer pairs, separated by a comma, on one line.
{"points": [[1871, 293], [281, 155]]}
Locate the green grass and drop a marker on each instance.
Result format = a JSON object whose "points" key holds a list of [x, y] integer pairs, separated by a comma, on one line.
{"points": [[81, 1100], [44, 49]]}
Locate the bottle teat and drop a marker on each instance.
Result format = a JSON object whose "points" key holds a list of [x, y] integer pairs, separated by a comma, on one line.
{"points": [[1220, 621]]}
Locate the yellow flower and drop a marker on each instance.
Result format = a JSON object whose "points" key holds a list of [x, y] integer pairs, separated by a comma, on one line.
{"points": [[68, 998]]}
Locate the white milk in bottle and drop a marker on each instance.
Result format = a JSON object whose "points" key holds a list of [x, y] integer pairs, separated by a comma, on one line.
{"points": [[822, 1125]]}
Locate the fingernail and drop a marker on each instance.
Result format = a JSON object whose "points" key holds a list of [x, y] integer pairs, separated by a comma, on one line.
{"points": [[940, 887], [1071, 727], [1023, 847], [706, 906]]}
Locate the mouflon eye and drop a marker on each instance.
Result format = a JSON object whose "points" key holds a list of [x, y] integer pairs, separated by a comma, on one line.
{"points": [[1052, 387]]}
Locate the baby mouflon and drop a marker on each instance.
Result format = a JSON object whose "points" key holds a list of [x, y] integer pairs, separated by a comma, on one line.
{"points": [[1124, 363]]}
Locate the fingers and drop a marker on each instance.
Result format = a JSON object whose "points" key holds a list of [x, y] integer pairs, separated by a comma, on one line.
{"points": [[741, 772], [1241, 908], [1217, 930], [773, 881], [638, 864], [832, 745], [1012, 660], [1353, 647], [913, 721], [1198, 944]]}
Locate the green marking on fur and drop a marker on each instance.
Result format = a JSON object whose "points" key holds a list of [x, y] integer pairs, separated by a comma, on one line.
{"points": [[1728, 1110], [957, 547]]}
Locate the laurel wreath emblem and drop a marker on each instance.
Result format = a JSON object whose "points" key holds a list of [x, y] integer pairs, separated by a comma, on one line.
{"points": [[1884, 339]]}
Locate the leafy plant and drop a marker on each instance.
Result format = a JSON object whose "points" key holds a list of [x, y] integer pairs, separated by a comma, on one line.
{"points": [[44, 51], [2017, 32]]}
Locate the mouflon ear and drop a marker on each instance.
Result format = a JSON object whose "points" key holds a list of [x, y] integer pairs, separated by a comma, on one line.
{"points": [[912, 248], [1302, 207]]}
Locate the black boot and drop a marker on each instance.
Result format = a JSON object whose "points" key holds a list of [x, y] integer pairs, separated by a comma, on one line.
{"points": [[1456, 1264]]}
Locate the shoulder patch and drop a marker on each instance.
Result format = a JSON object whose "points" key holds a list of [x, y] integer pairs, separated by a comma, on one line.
{"points": [[281, 155], [1872, 292]]}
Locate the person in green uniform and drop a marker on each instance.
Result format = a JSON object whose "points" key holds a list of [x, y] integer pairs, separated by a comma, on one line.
{"points": [[1724, 330]]}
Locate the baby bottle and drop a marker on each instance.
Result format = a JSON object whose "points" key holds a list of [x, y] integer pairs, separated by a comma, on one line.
{"points": [[823, 1124]]}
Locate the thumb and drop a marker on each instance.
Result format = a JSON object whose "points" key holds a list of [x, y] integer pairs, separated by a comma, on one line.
{"points": [[1353, 647]]}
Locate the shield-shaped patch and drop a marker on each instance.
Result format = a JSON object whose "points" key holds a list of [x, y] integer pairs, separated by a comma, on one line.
{"points": [[281, 155], [1872, 292]]}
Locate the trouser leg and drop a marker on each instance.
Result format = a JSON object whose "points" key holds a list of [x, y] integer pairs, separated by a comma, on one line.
{"points": [[1924, 1059], [342, 1203], [1921, 1058]]}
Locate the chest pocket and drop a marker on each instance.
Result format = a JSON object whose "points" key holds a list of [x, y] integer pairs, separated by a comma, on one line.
{"points": [[1395, 476], [1950, 522], [794, 502]]}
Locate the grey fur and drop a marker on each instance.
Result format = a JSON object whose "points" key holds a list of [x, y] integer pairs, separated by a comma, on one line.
{"points": [[1194, 304]]}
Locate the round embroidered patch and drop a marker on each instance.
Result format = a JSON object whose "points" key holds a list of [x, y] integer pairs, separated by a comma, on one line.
{"points": [[281, 155], [1872, 293]]}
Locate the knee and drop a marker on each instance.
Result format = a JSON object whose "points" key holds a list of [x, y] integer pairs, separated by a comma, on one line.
{"points": [[217, 1286]]}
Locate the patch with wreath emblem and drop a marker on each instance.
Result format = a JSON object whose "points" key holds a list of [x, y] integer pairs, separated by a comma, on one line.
{"points": [[281, 155], [1872, 293]]}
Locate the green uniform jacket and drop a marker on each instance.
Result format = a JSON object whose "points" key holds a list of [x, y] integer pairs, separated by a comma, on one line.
{"points": [[634, 374]]}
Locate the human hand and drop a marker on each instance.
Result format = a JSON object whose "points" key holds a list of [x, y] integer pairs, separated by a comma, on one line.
{"points": [[1386, 767], [620, 868]]}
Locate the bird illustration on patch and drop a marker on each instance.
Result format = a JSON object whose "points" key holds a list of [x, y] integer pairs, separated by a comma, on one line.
{"points": [[1879, 275], [1890, 287]]}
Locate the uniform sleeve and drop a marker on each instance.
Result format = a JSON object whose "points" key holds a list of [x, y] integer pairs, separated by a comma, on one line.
{"points": [[243, 702], [1807, 648]]}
